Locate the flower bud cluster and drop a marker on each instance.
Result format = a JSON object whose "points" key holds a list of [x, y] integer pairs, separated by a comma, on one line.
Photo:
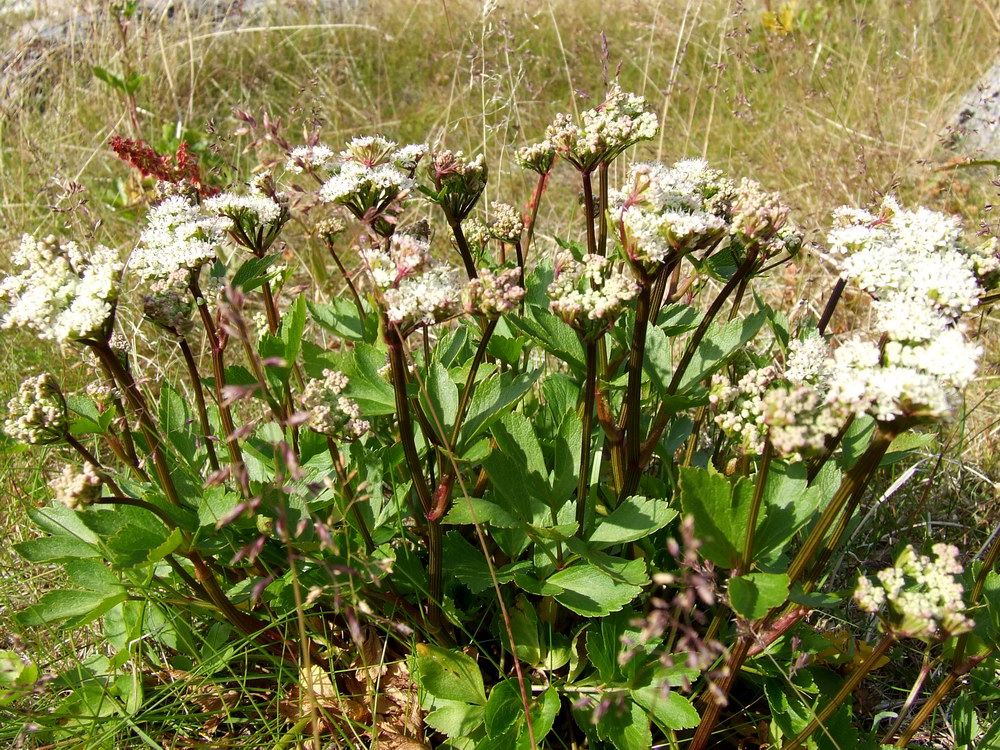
{"points": [[37, 414], [77, 489], [459, 181], [330, 412], [415, 288], [64, 292], [589, 295], [620, 121], [493, 294], [507, 223], [918, 597], [169, 304], [537, 157], [180, 235], [741, 406]]}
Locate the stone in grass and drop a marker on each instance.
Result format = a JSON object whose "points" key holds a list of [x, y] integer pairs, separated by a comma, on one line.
{"points": [[974, 132]]}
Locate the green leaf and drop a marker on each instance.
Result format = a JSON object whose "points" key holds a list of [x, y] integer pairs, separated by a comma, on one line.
{"points": [[558, 338], [472, 510], [590, 592], [604, 644], [16, 677], [790, 503], [465, 563], [447, 674], [456, 719], [753, 595], [720, 513], [637, 517], [340, 317], [669, 709], [51, 549], [253, 272], [175, 419], [90, 419], [103, 74], [658, 364], [719, 344], [92, 575], [133, 82], [524, 624], [489, 400], [627, 728], [439, 397], [293, 324], [63, 604], [517, 469], [965, 721], [504, 707], [372, 392]]}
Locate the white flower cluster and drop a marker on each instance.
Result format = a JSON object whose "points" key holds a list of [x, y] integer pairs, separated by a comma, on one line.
{"points": [[179, 235], [922, 596], [493, 294], [667, 210], [330, 412], [77, 489], [416, 289], [64, 292], [252, 208], [304, 158], [507, 223], [37, 414], [916, 259], [588, 295], [923, 277], [620, 121]]}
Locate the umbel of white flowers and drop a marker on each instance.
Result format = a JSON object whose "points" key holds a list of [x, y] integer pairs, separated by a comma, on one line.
{"points": [[918, 597], [64, 292]]}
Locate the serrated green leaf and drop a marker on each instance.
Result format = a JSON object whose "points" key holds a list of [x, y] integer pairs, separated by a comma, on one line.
{"points": [[50, 549], [719, 344], [720, 511], [588, 591], [293, 325], [627, 728], [448, 674], [637, 517], [340, 317], [489, 400], [63, 604], [669, 709], [456, 719], [92, 575], [253, 272], [439, 397], [753, 595]]}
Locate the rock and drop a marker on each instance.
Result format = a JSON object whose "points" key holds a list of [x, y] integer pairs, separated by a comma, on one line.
{"points": [[975, 129]]}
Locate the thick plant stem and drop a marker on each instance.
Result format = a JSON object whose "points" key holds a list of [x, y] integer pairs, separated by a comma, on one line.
{"points": [[271, 309], [760, 483], [831, 305], [352, 500], [463, 246], [536, 199], [199, 400], [710, 716], [589, 392], [830, 706], [138, 403], [856, 480], [219, 371], [602, 210], [588, 212], [397, 364], [630, 423]]}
